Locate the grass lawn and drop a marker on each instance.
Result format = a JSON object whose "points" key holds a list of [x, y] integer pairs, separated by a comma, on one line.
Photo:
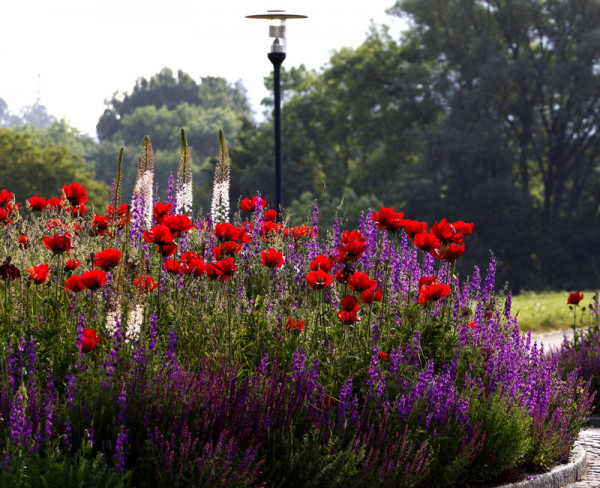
{"points": [[547, 311]]}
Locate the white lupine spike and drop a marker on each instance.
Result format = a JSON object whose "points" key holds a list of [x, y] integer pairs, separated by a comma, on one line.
{"points": [[184, 195], [134, 323], [219, 209], [112, 320]]}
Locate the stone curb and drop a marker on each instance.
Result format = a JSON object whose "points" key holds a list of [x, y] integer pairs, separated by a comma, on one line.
{"points": [[558, 477]]}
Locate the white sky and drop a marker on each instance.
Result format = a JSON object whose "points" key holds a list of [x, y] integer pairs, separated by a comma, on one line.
{"points": [[77, 53]]}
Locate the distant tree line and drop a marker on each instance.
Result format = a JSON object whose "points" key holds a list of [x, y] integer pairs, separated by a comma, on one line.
{"points": [[485, 111]]}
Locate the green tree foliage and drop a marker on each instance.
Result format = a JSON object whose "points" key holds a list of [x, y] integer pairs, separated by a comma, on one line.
{"points": [[348, 132], [164, 90], [28, 168], [518, 148], [161, 107]]}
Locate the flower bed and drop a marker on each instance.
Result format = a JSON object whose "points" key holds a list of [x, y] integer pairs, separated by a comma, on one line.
{"points": [[144, 348]]}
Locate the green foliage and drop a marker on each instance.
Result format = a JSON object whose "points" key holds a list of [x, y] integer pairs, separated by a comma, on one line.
{"points": [[55, 467], [507, 435], [30, 169], [308, 461]]}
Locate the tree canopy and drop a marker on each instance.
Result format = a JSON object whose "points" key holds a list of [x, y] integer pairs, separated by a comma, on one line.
{"points": [[29, 167], [481, 110], [160, 107]]}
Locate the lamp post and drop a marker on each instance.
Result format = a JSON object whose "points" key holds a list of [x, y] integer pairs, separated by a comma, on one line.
{"points": [[277, 20]]}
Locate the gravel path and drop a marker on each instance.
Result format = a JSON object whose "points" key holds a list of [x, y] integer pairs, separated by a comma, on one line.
{"points": [[551, 340], [590, 440]]}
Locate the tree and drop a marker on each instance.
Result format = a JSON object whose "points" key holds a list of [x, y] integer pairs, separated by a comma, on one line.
{"points": [[164, 90], [36, 115], [160, 108], [28, 169], [349, 130], [518, 148]]}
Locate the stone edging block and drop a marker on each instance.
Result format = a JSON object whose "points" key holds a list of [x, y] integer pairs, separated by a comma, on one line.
{"points": [[559, 476]]}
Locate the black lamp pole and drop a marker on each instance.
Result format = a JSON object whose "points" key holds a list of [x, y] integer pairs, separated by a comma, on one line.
{"points": [[277, 58]]}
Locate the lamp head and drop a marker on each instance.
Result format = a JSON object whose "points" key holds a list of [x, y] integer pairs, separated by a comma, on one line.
{"points": [[277, 20]]}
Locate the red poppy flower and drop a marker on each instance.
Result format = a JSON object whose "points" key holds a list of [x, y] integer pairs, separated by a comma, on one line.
{"points": [[575, 298], [388, 219], [24, 241], [145, 284], [384, 356], [90, 340], [101, 224], [462, 227], [227, 249], [94, 279], [192, 265], [360, 282], [71, 265], [74, 283], [414, 227], [248, 205], [54, 202], [36, 204], [293, 326], [426, 241], [121, 210], [351, 251], [121, 214], [178, 224], [269, 227], [77, 209], [9, 271], [167, 250], [161, 210], [38, 274], [270, 215], [227, 232], [107, 259], [342, 275], [171, 266], [5, 198], [160, 235], [453, 251], [188, 256], [272, 258], [433, 293], [472, 324], [57, 243], [298, 232], [75, 193], [351, 236], [427, 280], [319, 279], [5, 217], [370, 296], [451, 233], [349, 309], [213, 271], [227, 267], [321, 262]]}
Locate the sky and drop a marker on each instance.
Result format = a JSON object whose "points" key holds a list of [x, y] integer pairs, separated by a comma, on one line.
{"points": [[75, 54]]}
